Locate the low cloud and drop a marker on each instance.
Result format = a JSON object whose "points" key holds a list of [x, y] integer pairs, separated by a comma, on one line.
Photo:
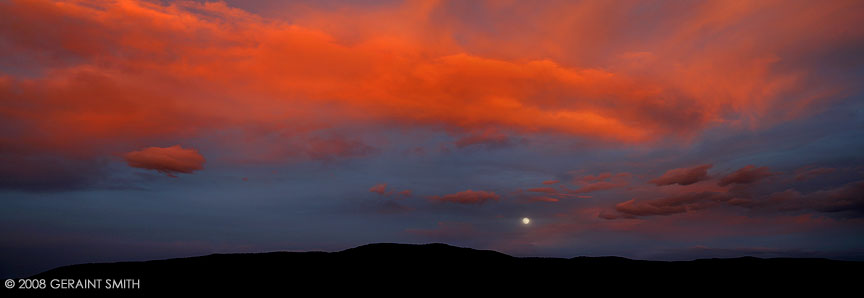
{"points": [[544, 199], [683, 176], [848, 198], [382, 190], [603, 181], [669, 205], [548, 190], [468, 197], [806, 174], [169, 161], [746, 175], [845, 200], [379, 188]]}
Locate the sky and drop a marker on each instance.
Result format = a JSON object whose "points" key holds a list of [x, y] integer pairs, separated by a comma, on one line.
{"points": [[660, 130]]}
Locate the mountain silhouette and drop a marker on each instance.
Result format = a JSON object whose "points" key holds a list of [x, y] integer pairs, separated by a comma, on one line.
{"points": [[441, 268]]}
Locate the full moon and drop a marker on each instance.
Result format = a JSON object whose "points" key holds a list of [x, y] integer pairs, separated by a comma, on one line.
{"points": [[526, 220]]}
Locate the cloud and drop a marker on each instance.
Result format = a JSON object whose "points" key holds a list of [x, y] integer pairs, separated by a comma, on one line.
{"points": [[169, 161], [592, 178], [156, 69], [468, 197], [804, 174], [549, 190], [405, 193], [603, 181], [549, 182], [125, 73], [550, 194], [845, 199], [379, 188], [544, 199], [668, 206], [746, 175], [596, 186], [683, 176]]}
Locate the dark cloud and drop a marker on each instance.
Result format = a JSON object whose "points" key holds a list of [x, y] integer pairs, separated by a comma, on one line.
{"points": [[602, 181], [845, 200], [169, 161], [596, 186], [746, 175], [468, 197], [544, 199], [548, 190], [592, 178], [670, 205], [549, 194], [848, 198], [806, 174], [683, 176]]}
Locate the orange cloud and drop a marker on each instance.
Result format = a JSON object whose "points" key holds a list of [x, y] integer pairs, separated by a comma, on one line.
{"points": [[468, 197], [169, 161], [127, 71]]}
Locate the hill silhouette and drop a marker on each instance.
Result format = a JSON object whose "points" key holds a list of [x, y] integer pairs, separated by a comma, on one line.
{"points": [[441, 268]]}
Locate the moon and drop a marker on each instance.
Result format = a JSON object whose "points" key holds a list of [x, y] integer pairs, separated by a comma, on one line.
{"points": [[526, 221]]}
